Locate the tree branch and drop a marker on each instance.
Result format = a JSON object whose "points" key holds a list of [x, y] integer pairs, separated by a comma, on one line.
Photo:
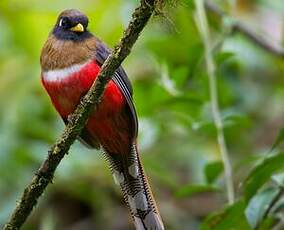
{"points": [[88, 104], [237, 26]]}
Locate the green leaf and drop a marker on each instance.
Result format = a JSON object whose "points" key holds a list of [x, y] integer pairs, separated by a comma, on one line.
{"points": [[190, 4], [258, 205], [191, 190], [279, 139], [212, 170], [279, 179], [261, 174], [231, 218], [267, 223], [278, 206], [223, 56]]}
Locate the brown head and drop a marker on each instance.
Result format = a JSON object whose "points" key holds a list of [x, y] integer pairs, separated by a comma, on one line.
{"points": [[69, 43]]}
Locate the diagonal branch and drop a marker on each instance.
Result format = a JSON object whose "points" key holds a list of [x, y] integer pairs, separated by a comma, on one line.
{"points": [[237, 26], [78, 119]]}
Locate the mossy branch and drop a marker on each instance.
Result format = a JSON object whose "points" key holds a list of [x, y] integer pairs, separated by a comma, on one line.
{"points": [[88, 104]]}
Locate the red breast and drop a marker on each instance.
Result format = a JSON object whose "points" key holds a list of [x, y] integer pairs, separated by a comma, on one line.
{"points": [[69, 68], [66, 86]]}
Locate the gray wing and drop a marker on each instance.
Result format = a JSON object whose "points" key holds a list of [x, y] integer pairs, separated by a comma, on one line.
{"points": [[121, 80]]}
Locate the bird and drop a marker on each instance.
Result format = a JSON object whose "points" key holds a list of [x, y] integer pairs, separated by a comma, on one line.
{"points": [[71, 60]]}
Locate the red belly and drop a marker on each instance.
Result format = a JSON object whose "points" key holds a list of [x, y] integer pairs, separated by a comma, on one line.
{"points": [[111, 123]]}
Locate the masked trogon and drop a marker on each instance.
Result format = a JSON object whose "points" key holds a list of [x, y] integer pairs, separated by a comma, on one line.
{"points": [[71, 60]]}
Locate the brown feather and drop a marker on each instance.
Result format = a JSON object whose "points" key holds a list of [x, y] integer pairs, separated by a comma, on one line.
{"points": [[55, 51]]}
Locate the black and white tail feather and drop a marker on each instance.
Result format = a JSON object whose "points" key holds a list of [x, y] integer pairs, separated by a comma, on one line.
{"points": [[127, 169], [129, 174]]}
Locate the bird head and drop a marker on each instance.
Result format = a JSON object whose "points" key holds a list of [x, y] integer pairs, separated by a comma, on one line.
{"points": [[71, 25]]}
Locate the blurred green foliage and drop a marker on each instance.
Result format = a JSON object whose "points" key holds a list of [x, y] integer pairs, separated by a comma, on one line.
{"points": [[177, 138]]}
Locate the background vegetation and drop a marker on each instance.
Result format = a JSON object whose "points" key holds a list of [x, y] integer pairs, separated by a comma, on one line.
{"points": [[177, 137]]}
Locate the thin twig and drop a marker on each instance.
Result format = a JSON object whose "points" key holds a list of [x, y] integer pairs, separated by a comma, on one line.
{"points": [[202, 24], [77, 121], [237, 26]]}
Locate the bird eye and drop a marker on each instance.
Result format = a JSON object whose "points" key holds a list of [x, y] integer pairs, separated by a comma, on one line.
{"points": [[60, 22], [63, 22]]}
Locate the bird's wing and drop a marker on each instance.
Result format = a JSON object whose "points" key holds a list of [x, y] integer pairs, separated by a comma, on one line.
{"points": [[121, 80], [85, 137]]}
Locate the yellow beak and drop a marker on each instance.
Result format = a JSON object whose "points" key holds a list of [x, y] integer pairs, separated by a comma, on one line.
{"points": [[78, 28]]}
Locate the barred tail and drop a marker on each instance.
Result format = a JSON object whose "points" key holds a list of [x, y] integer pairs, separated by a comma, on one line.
{"points": [[128, 172]]}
